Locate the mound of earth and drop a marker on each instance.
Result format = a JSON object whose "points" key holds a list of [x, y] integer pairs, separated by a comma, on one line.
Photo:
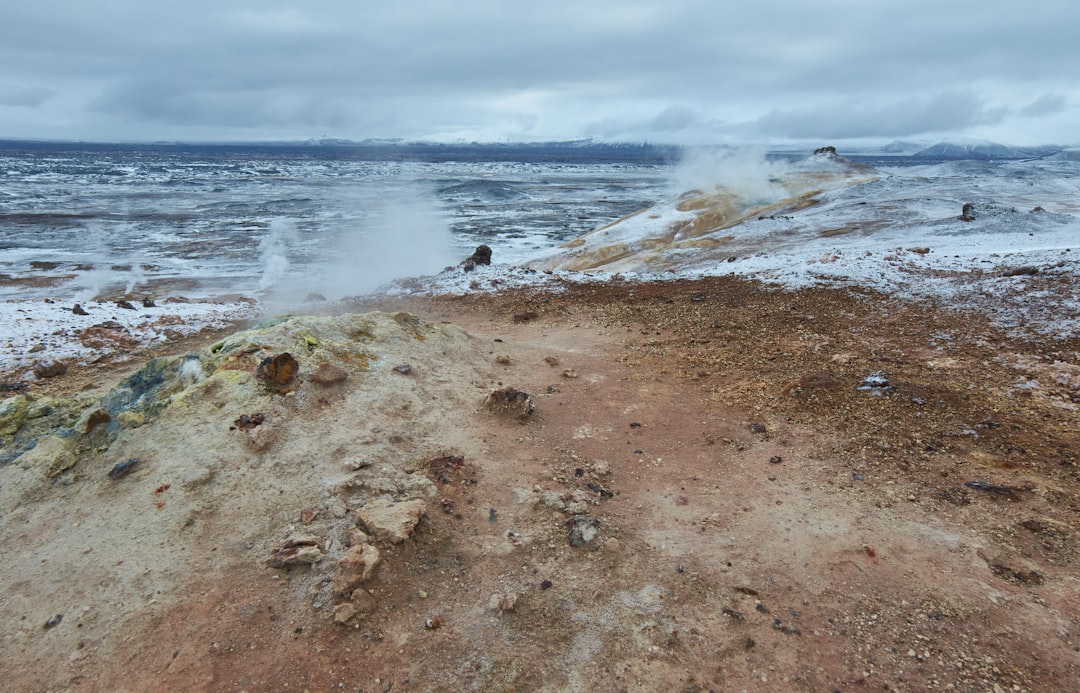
{"points": [[691, 485], [694, 229]]}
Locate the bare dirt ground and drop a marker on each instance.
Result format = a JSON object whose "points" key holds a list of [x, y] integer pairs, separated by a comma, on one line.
{"points": [[761, 523]]}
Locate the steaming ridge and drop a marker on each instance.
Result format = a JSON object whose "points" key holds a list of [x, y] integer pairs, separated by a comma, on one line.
{"points": [[693, 227]]}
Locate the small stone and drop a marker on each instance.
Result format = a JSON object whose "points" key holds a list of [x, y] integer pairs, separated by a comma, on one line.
{"points": [[344, 613], [583, 529], [130, 419], [403, 369], [511, 402], [501, 603], [356, 536], [121, 469], [298, 548], [776, 459], [392, 521], [355, 567], [551, 361], [757, 428], [91, 419], [569, 374], [148, 303], [126, 305], [50, 369], [502, 359], [78, 310], [308, 515], [363, 601]]}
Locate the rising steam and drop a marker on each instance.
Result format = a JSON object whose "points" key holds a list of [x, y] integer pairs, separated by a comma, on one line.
{"points": [[404, 237], [274, 252], [744, 171]]}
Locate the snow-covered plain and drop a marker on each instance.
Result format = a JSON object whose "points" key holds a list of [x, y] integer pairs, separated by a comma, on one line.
{"points": [[821, 221], [828, 222]]}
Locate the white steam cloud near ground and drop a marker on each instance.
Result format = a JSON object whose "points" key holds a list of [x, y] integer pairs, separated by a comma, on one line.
{"points": [[744, 171], [406, 236]]}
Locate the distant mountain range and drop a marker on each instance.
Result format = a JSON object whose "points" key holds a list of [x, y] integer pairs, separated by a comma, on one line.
{"points": [[566, 150], [966, 149]]}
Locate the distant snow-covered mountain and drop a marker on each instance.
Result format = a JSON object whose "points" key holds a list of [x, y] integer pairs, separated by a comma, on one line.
{"points": [[983, 149]]}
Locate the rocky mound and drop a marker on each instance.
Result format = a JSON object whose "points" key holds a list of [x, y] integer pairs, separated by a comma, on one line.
{"points": [[696, 223], [300, 418]]}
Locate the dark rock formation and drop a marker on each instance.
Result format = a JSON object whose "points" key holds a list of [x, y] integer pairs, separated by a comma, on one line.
{"points": [[511, 402], [481, 256]]}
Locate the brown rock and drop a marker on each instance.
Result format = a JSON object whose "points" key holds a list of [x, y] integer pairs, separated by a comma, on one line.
{"points": [[91, 419], [308, 515], [355, 537], [355, 567], [280, 369], [392, 521], [298, 548], [329, 374], [362, 601], [344, 613], [511, 402], [50, 369]]}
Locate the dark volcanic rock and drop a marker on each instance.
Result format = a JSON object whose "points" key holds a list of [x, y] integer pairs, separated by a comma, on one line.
{"points": [[481, 256], [511, 402]]}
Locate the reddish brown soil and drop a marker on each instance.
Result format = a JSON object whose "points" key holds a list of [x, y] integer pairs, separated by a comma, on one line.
{"points": [[764, 524]]}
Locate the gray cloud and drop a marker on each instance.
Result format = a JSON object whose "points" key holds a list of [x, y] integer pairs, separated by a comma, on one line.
{"points": [[1046, 104], [950, 111], [30, 97], [498, 68]]}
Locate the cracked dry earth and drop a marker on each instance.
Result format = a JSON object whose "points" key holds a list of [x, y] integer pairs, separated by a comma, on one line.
{"points": [[761, 523]]}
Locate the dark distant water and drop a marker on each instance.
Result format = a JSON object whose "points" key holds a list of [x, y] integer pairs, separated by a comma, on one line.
{"points": [[87, 218]]}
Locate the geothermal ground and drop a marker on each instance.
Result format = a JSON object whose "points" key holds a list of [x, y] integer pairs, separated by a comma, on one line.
{"points": [[722, 487]]}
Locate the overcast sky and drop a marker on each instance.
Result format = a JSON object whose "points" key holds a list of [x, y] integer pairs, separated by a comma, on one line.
{"points": [[683, 71]]}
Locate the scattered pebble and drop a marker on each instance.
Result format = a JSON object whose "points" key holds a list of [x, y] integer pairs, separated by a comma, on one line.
{"points": [[123, 468]]}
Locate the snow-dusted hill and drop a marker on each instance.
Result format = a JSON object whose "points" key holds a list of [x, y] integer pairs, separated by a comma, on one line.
{"points": [[952, 229]]}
